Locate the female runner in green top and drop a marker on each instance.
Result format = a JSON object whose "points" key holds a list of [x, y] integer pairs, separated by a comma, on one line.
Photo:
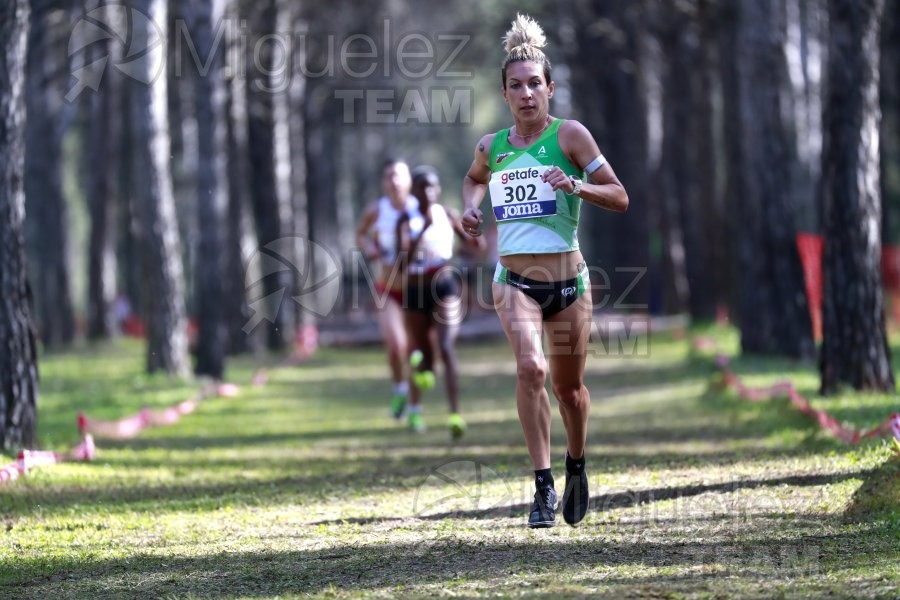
{"points": [[541, 284]]}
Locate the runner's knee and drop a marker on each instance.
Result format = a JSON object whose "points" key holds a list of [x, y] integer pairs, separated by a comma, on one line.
{"points": [[397, 351], [569, 394], [532, 371]]}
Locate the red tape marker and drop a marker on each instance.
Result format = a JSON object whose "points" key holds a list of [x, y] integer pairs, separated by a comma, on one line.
{"points": [[306, 342], [85, 451], [129, 427], [124, 428], [888, 427], [10, 472]]}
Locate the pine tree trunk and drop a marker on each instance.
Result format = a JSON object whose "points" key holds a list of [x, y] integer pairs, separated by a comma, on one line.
{"points": [[47, 210], [774, 317], [238, 219], [711, 247], [733, 172], [804, 48], [128, 245], [18, 353], [101, 135], [271, 212], [668, 276], [854, 348], [322, 136], [183, 143], [212, 200], [292, 20], [679, 174], [163, 285], [627, 143], [128, 278], [611, 104], [890, 123]]}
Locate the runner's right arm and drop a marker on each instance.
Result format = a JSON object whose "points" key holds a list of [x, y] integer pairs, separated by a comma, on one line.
{"points": [[475, 185]]}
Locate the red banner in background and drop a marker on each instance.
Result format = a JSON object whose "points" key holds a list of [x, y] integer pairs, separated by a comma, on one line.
{"points": [[890, 268], [890, 279], [810, 247]]}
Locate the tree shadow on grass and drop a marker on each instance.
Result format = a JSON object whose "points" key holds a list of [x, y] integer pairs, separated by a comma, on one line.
{"points": [[630, 498], [326, 479], [390, 462], [396, 458], [441, 562], [878, 496], [495, 432]]}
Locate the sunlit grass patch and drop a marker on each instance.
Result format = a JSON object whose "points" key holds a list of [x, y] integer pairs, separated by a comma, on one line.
{"points": [[305, 487]]}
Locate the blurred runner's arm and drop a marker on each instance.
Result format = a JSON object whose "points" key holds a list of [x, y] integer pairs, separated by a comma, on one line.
{"points": [[364, 240]]}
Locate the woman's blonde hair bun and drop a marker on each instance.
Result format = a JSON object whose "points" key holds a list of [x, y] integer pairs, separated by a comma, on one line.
{"points": [[523, 42], [525, 32]]}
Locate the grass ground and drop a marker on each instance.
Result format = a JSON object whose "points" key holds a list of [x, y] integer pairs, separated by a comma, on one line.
{"points": [[305, 488]]}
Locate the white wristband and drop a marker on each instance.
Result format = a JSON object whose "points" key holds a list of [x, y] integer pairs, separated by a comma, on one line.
{"points": [[595, 164]]}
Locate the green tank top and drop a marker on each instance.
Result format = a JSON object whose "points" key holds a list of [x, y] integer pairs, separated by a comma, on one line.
{"points": [[531, 217]]}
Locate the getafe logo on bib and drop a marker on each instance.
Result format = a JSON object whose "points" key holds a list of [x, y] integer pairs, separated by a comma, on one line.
{"points": [[520, 194]]}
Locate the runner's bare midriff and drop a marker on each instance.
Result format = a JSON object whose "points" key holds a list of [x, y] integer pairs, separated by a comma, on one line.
{"points": [[545, 267]]}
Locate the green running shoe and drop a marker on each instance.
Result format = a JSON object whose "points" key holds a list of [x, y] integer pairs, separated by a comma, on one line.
{"points": [[398, 405], [424, 380], [416, 422], [457, 426], [415, 358]]}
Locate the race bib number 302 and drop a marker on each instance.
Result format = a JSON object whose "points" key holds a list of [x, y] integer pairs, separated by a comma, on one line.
{"points": [[520, 194]]}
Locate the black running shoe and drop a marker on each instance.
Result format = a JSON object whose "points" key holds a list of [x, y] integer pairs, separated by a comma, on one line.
{"points": [[543, 509], [575, 496]]}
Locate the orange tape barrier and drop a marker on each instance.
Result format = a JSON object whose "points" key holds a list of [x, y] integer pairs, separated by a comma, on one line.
{"points": [[29, 459], [306, 342], [889, 427], [128, 427], [124, 428]]}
